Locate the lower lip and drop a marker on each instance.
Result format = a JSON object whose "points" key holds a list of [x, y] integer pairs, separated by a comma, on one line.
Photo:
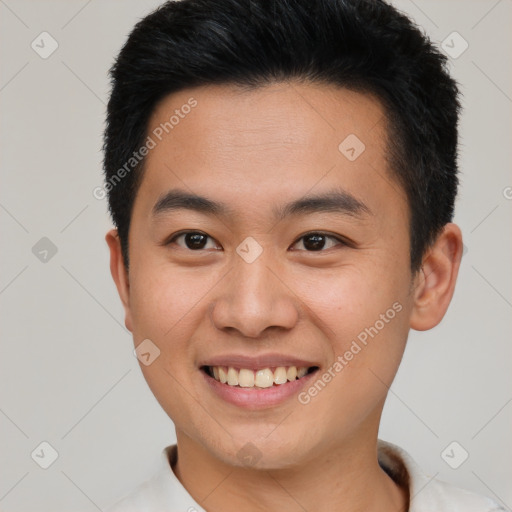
{"points": [[257, 398]]}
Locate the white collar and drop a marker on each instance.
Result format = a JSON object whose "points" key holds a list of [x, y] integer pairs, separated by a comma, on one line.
{"points": [[165, 492]]}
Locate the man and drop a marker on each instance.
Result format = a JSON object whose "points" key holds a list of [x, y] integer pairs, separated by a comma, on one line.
{"points": [[282, 178]]}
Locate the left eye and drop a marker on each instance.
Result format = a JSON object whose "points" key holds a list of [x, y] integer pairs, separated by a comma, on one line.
{"points": [[318, 241]]}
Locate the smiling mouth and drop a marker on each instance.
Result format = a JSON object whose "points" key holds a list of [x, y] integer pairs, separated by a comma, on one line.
{"points": [[258, 379]]}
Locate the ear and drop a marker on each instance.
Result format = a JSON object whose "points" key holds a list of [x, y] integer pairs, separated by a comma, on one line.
{"points": [[434, 284], [119, 274]]}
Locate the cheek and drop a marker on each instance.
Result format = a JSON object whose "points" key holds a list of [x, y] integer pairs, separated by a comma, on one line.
{"points": [[364, 314], [163, 298], [166, 305], [351, 297], [367, 351]]}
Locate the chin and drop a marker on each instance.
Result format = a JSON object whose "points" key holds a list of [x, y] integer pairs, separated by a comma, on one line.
{"points": [[264, 452]]}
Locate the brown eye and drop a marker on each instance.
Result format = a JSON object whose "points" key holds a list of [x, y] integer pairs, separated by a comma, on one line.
{"points": [[193, 240], [318, 242]]}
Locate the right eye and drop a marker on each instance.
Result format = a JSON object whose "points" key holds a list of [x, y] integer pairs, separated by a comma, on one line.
{"points": [[192, 240]]}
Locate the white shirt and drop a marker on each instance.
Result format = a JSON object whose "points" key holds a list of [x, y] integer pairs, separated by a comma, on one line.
{"points": [[165, 493]]}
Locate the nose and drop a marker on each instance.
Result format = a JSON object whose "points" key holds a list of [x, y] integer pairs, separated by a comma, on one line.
{"points": [[254, 298]]}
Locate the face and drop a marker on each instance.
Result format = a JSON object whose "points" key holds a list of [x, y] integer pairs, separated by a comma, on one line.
{"points": [[297, 255]]}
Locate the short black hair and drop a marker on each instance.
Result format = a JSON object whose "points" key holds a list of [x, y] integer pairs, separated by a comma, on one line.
{"points": [[363, 45]]}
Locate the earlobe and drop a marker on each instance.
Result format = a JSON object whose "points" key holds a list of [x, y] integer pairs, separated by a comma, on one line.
{"points": [[119, 273], [435, 282]]}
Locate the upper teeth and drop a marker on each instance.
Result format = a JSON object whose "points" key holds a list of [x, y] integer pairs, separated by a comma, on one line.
{"points": [[263, 378]]}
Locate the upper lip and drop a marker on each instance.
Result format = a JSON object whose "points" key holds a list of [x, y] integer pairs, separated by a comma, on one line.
{"points": [[256, 362]]}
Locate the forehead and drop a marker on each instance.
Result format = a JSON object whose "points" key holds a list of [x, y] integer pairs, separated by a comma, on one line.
{"points": [[266, 141], [315, 115]]}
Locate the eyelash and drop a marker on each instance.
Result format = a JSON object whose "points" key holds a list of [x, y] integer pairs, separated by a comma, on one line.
{"points": [[340, 240]]}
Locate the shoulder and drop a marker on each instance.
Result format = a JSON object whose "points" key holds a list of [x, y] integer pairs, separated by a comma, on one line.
{"points": [[153, 493], [455, 499], [163, 491], [136, 501], [428, 494]]}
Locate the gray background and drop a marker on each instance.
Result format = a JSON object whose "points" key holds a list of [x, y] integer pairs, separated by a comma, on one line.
{"points": [[68, 372]]}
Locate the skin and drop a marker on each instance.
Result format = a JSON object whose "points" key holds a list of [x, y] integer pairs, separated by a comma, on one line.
{"points": [[254, 151]]}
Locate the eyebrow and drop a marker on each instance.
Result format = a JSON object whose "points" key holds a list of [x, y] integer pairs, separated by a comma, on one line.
{"points": [[334, 201]]}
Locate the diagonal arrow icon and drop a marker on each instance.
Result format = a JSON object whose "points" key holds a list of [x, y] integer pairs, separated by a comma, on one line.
{"points": [[454, 455], [249, 249], [44, 250], [44, 45], [146, 352], [454, 45], [44, 455]]}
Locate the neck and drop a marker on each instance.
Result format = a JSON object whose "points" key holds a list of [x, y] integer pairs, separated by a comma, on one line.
{"points": [[347, 478]]}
